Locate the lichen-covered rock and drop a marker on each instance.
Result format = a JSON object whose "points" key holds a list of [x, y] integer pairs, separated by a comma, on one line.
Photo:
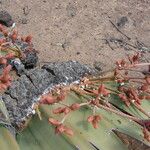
{"points": [[22, 90], [68, 71], [25, 91], [41, 79], [30, 60]]}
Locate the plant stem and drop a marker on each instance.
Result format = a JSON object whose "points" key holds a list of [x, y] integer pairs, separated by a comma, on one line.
{"points": [[142, 64], [133, 70], [62, 121], [83, 104], [119, 113]]}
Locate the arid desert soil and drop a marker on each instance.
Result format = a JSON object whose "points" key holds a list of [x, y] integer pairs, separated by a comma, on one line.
{"points": [[81, 29]]}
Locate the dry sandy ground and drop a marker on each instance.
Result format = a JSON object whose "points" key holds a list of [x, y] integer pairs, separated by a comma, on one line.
{"points": [[75, 30]]}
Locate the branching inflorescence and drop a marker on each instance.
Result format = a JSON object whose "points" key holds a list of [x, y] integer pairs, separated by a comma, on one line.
{"points": [[8, 51], [131, 90]]}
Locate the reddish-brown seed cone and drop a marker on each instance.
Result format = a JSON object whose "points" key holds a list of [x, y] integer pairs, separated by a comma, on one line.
{"points": [[54, 122], [61, 96], [60, 128], [133, 93], [5, 78], [94, 119], [28, 39], [102, 90], [1, 27], [5, 32], [68, 131], [147, 78], [124, 98], [144, 97], [121, 63], [7, 69], [10, 55], [134, 59], [60, 110], [2, 41], [23, 39], [146, 134], [63, 129], [75, 106], [47, 99], [116, 72], [3, 61], [145, 87], [14, 35], [94, 102]]}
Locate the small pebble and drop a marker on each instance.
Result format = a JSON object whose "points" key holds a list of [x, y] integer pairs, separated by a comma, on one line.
{"points": [[78, 53], [24, 21]]}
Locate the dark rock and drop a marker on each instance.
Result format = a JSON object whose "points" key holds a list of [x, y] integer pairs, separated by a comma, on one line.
{"points": [[78, 53], [18, 66], [68, 71], [25, 91], [122, 21], [41, 79], [30, 60], [6, 19], [71, 10], [98, 65], [26, 10], [22, 90], [24, 21], [19, 98], [11, 104]]}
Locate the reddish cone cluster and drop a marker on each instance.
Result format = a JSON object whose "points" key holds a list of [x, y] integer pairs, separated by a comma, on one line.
{"points": [[94, 120], [146, 134], [5, 78], [27, 39], [101, 91], [50, 99], [129, 95], [3, 30], [132, 60], [54, 97], [60, 110], [4, 59], [6, 41], [47, 99], [60, 128]]}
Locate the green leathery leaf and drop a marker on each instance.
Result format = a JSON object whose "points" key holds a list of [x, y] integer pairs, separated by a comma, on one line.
{"points": [[7, 141], [4, 111], [114, 99], [145, 104], [40, 135], [110, 121], [99, 137]]}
